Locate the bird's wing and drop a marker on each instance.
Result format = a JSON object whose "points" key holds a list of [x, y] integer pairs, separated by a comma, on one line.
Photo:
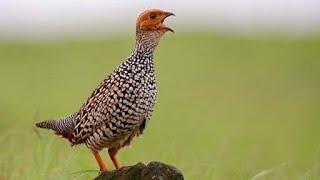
{"points": [[101, 111], [94, 112]]}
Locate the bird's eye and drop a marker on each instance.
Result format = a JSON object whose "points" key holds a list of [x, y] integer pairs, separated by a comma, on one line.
{"points": [[153, 16]]}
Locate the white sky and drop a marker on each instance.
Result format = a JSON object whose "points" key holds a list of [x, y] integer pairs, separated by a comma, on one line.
{"points": [[59, 18]]}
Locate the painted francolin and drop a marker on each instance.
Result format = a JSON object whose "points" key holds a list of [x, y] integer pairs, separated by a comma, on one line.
{"points": [[120, 107]]}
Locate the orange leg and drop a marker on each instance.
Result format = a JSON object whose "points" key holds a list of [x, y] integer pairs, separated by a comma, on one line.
{"points": [[112, 154], [102, 166]]}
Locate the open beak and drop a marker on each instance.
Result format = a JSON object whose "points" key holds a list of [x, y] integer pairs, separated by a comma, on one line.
{"points": [[167, 14]]}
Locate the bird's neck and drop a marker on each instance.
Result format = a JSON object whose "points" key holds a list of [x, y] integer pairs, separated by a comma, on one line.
{"points": [[142, 56], [141, 59], [146, 42]]}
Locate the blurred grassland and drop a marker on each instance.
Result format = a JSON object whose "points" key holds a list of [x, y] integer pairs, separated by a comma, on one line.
{"points": [[228, 107]]}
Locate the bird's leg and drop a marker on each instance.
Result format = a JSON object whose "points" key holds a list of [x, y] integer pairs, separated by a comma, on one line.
{"points": [[102, 166], [112, 153]]}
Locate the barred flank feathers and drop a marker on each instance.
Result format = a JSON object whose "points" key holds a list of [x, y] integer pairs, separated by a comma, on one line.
{"points": [[60, 126]]}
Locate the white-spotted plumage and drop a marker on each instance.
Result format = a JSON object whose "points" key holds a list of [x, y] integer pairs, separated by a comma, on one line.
{"points": [[120, 107]]}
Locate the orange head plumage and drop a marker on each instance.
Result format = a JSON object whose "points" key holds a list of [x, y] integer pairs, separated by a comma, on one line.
{"points": [[152, 20]]}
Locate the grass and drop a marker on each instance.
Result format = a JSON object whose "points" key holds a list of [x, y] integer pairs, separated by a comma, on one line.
{"points": [[228, 107]]}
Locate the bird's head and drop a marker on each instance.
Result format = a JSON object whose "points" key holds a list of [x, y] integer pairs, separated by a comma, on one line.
{"points": [[152, 21], [150, 24]]}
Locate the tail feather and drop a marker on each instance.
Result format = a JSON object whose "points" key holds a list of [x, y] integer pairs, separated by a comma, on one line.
{"points": [[60, 126], [48, 124]]}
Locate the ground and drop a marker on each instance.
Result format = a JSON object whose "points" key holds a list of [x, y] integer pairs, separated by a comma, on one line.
{"points": [[228, 107]]}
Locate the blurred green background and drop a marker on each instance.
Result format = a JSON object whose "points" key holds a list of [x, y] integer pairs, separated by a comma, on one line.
{"points": [[229, 107]]}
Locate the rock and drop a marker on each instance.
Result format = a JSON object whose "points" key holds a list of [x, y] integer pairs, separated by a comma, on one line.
{"points": [[140, 171]]}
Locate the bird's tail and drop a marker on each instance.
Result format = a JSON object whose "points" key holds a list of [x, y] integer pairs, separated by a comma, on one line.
{"points": [[60, 126], [48, 124]]}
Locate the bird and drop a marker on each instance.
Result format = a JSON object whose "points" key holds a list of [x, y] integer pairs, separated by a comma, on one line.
{"points": [[119, 109]]}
